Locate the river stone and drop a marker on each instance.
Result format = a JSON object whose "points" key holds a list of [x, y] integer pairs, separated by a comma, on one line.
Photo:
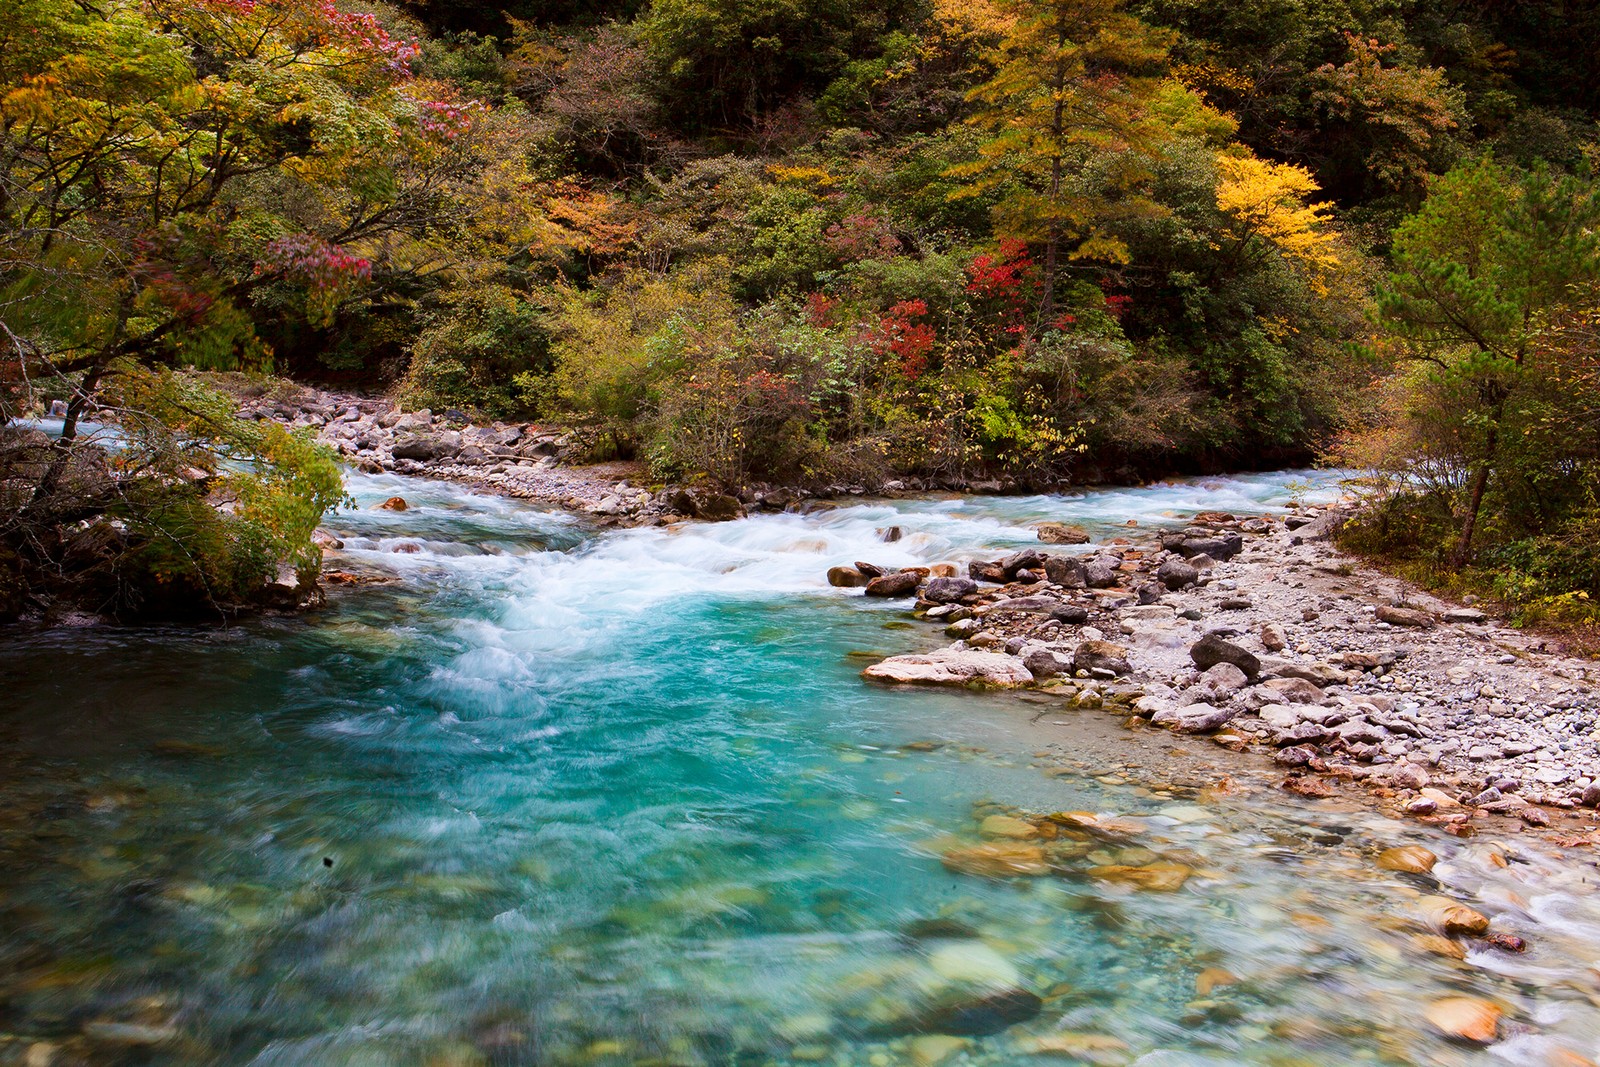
{"points": [[972, 963], [1161, 877], [951, 666], [1054, 533], [981, 1016], [1101, 655], [1008, 826], [394, 503], [1316, 673], [1453, 918], [1071, 614], [1465, 1019], [1026, 560], [930, 1050], [1067, 573], [997, 859], [948, 590], [1213, 649], [1174, 573], [898, 584], [986, 572], [846, 578], [1222, 680], [1220, 549], [1272, 637], [1194, 718], [1295, 690], [1408, 859], [418, 447], [1404, 616], [1046, 663], [1097, 575]]}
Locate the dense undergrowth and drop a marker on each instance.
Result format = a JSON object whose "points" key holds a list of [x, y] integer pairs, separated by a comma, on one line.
{"points": [[816, 242]]}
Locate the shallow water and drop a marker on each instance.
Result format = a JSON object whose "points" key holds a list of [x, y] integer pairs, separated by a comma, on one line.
{"points": [[554, 796]]}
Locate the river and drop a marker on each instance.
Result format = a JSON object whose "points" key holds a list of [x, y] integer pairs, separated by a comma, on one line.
{"points": [[552, 795]]}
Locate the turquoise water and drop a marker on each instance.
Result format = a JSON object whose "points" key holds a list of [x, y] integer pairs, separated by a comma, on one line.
{"points": [[557, 796]]}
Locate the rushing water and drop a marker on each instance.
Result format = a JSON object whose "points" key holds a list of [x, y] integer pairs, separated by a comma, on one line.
{"points": [[553, 796]]}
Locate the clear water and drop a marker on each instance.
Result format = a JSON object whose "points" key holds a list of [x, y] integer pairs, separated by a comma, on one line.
{"points": [[554, 796]]}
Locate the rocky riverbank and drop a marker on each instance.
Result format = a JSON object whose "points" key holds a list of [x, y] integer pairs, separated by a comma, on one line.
{"points": [[523, 460], [1257, 631]]}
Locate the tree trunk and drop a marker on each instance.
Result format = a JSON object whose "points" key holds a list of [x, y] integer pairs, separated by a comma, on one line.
{"points": [[1462, 553]]}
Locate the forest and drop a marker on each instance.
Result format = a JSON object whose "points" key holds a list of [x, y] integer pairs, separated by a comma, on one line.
{"points": [[809, 243]]}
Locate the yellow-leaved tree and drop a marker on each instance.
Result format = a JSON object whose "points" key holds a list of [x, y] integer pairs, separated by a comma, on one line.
{"points": [[1268, 206]]}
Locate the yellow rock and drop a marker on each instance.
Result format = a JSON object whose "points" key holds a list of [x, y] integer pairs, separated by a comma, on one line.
{"points": [[1211, 978], [930, 1050], [1440, 946], [997, 859], [1087, 1048], [1008, 826], [1157, 877], [1465, 1018], [1453, 918], [1411, 859], [1444, 800]]}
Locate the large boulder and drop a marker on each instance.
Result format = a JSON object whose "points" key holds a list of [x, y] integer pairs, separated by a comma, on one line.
{"points": [[1213, 649], [952, 666], [1218, 548], [846, 578], [421, 447], [896, 584], [948, 590], [1174, 573], [1067, 573], [1029, 559]]}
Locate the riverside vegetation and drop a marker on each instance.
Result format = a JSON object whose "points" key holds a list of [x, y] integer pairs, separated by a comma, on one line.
{"points": [[806, 243]]}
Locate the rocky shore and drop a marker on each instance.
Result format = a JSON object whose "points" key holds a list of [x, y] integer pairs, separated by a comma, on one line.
{"points": [[522, 460], [1258, 632]]}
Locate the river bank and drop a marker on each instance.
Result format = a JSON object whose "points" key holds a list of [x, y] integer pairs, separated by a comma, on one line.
{"points": [[1259, 632]]}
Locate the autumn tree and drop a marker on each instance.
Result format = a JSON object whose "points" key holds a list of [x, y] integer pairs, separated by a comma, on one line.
{"points": [[1072, 79], [170, 174]]}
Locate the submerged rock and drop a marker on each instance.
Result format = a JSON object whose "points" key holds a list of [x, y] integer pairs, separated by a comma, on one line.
{"points": [[1465, 1019], [1408, 859], [997, 859], [983, 1015], [1159, 877]]}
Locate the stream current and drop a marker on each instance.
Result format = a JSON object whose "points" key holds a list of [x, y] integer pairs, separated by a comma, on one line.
{"points": [[559, 796]]}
